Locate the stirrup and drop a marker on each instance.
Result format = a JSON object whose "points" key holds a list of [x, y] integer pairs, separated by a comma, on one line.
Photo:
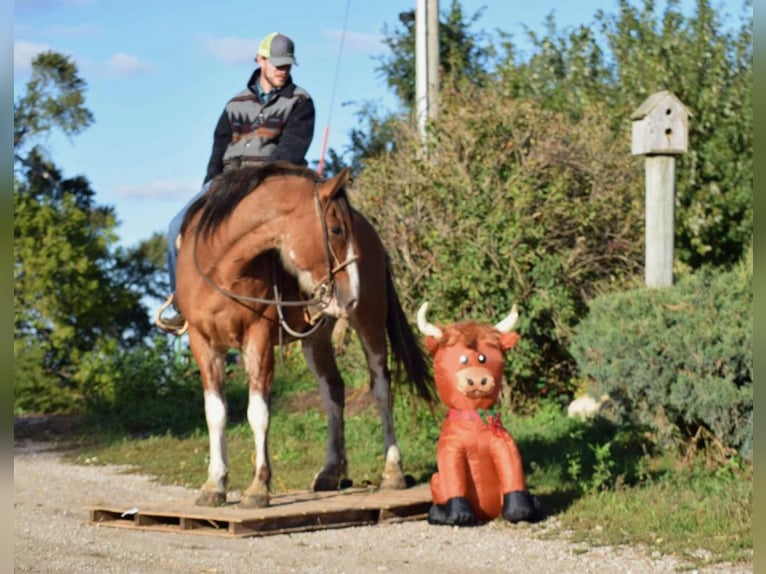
{"points": [[171, 325]]}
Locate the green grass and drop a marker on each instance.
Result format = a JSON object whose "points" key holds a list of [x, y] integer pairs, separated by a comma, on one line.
{"points": [[604, 483]]}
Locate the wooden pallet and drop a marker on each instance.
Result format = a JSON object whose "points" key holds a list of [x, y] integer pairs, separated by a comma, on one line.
{"points": [[292, 512]]}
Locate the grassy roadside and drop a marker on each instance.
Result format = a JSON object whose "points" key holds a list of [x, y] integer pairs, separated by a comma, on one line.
{"points": [[604, 484]]}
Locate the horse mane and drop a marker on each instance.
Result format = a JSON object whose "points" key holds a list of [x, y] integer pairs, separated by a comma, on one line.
{"points": [[231, 187]]}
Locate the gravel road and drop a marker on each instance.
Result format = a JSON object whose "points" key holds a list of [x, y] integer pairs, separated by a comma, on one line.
{"points": [[53, 535]]}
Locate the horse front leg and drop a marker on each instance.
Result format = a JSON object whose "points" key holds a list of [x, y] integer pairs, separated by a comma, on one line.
{"points": [[259, 362], [320, 358], [212, 370]]}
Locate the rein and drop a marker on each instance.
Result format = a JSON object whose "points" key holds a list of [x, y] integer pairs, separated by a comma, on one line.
{"points": [[320, 293]]}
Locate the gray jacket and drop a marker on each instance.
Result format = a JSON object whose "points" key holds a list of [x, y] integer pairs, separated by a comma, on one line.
{"points": [[250, 131]]}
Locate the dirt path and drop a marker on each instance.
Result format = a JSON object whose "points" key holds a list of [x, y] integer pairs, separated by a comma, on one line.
{"points": [[53, 535]]}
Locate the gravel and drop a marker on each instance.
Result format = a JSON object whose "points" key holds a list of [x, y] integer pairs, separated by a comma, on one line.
{"points": [[53, 535]]}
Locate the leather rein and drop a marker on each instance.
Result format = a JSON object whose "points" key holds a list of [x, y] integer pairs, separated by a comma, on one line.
{"points": [[322, 293]]}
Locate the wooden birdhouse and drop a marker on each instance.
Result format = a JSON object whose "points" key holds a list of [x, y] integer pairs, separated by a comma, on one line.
{"points": [[660, 126]]}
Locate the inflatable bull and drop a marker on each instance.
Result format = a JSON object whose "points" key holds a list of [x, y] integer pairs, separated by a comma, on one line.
{"points": [[480, 471]]}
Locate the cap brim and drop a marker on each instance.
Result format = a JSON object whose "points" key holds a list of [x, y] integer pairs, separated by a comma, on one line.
{"points": [[283, 61]]}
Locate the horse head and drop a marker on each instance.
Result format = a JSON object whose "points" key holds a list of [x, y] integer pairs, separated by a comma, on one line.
{"points": [[322, 254]]}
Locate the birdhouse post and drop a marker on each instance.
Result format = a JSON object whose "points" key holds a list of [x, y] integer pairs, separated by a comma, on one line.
{"points": [[660, 133]]}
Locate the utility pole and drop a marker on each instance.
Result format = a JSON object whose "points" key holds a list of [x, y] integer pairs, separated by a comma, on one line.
{"points": [[421, 66], [433, 58], [426, 62]]}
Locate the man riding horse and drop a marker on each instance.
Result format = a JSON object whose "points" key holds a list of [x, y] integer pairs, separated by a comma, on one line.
{"points": [[271, 119]]}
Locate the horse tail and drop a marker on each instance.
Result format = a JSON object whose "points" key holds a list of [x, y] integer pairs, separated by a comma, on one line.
{"points": [[405, 347]]}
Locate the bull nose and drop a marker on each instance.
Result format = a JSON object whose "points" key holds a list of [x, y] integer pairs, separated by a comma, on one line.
{"points": [[475, 380], [482, 382]]}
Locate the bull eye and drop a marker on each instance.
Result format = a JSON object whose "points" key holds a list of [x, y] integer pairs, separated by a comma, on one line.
{"points": [[463, 360], [482, 359]]}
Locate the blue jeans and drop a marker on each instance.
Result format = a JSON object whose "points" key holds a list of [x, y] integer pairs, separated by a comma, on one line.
{"points": [[174, 230]]}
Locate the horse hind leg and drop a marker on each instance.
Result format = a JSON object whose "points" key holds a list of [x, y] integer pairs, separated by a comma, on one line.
{"points": [[393, 476], [320, 358], [375, 351]]}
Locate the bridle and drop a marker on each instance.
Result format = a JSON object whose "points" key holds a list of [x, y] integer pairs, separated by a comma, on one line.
{"points": [[322, 294]]}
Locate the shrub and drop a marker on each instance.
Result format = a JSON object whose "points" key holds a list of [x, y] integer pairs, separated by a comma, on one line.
{"points": [[144, 390], [678, 360], [512, 204]]}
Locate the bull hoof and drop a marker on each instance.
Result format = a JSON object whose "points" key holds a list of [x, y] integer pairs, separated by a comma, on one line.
{"points": [[437, 514], [254, 501], [210, 498], [520, 506], [457, 512]]}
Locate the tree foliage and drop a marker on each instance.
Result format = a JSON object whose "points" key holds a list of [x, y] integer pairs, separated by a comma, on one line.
{"points": [[72, 290], [464, 60], [512, 204], [528, 191], [54, 98], [462, 54], [620, 60]]}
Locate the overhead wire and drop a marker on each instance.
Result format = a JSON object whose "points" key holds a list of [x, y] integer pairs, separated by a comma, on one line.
{"points": [[320, 168]]}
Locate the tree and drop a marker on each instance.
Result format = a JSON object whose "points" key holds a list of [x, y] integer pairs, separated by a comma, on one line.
{"points": [[461, 54], [72, 290], [530, 192], [464, 58], [619, 60], [54, 98]]}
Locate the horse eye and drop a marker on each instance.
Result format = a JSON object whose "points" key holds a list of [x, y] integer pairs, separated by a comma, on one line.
{"points": [[482, 359], [336, 230], [463, 360]]}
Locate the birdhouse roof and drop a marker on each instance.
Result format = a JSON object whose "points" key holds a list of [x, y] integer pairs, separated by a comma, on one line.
{"points": [[653, 101]]}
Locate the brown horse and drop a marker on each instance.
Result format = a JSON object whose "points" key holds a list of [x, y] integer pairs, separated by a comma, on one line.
{"points": [[274, 253]]}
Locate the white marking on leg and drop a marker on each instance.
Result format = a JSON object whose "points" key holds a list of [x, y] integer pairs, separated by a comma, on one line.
{"points": [[393, 456], [258, 417], [215, 414]]}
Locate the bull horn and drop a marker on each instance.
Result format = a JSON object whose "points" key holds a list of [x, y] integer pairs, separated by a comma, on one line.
{"points": [[507, 324], [425, 327]]}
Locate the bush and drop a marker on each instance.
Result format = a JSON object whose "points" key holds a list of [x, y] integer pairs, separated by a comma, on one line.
{"points": [[678, 360], [36, 390], [150, 389], [512, 204]]}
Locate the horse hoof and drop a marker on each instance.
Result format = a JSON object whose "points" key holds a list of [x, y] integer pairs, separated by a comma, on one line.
{"points": [[393, 480], [254, 501], [211, 499], [324, 483]]}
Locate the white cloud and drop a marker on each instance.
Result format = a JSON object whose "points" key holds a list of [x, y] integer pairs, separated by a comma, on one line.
{"points": [[23, 54], [358, 41], [126, 65], [163, 190], [231, 50]]}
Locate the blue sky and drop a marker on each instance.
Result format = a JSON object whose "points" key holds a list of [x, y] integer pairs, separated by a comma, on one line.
{"points": [[159, 74]]}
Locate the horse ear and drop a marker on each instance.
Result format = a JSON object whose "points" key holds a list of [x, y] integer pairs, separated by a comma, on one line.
{"points": [[335, 184]]}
